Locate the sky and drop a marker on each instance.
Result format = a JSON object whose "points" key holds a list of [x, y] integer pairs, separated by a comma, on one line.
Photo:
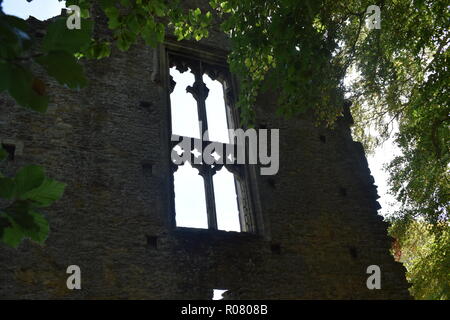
{"points": [[383, 155], [189, 191], [40, 9], [377, 160]]}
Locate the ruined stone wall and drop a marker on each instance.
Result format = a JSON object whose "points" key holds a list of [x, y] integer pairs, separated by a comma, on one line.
{"points": [[108, 143]]}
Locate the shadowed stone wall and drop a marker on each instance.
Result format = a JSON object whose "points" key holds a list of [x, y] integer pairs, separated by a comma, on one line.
{"points": [[108, 142]]}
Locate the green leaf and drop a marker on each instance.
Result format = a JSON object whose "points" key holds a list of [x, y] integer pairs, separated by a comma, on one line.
{"points": [[158, 8], [112, 12], [99, 50], [41, 230], [64, 68], [7, 188], [160, 32], [32, 189], [213, 4], [85, 13], [149, 33], [133, 24], [60, 38], [47, 193], [27, 90], [125, 3], [25, 223], [29, 178], [14, 36], [113, 17], [10, 234], [123, 41], [19, 213], [3, 153]]}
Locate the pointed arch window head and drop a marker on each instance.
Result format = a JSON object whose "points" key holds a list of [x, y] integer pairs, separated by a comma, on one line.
{"points": [[208, 196]]}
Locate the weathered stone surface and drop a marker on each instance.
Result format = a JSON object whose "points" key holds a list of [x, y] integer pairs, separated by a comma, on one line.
{"points": [[107, 143]]}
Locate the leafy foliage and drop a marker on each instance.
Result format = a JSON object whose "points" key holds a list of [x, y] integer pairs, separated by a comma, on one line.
{"points": [[19, 50], [131, 20], [53, 61], [426, 256], [30, 190], [26, 193], [288, 47], [404, 83]]}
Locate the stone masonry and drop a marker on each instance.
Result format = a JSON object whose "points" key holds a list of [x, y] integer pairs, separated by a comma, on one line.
{"points": [[108, 142]]}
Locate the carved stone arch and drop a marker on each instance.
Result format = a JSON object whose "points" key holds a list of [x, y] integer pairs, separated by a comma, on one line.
{"points": [[183, 64], [216, 72]]}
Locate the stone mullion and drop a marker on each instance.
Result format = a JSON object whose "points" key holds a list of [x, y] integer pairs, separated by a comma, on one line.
{"points": [[200, 92], [208, 174], [210, 200]]}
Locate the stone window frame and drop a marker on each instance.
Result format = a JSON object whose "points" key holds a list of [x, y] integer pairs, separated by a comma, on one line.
{"points": [[249, 204]]}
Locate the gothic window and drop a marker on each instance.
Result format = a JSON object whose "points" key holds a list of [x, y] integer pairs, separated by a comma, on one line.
{"points": [[208, 194]]}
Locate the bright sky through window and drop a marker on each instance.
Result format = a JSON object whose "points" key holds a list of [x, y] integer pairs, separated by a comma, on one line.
{"points": [[190, 203], [216, 112], [184, 107], [226, 202]]}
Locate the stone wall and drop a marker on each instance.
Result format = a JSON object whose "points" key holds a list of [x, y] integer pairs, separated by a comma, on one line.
{"points": [[108, 143]]}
